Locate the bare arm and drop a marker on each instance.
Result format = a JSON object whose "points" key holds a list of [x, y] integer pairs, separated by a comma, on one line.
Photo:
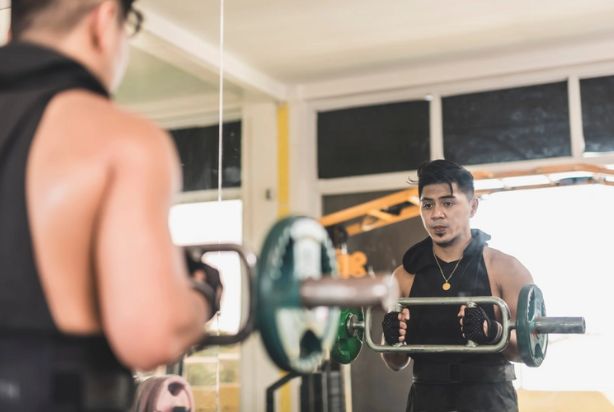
{"points": [[510, 276], [149, 313], [396, 360]]}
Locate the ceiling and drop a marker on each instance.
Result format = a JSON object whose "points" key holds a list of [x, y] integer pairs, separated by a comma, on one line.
{"points": [[277, 44], [297, 42], [148, 78]]}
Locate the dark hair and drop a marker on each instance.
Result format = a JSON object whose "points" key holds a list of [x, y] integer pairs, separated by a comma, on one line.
{"points": [[126, 6], [57, 15], [445, 171]]}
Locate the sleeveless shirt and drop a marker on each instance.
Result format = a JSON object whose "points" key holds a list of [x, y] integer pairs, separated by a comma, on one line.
{"points": [[439, 324], [30, 76]]}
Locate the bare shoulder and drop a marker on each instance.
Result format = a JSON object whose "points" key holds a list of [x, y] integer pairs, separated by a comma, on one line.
{"points": [[405, 279], [506, 268], [125, 134], [98, 115]]}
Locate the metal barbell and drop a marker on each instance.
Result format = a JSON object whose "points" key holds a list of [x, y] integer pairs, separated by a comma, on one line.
{"points": [[295, 294], [532, 328]]}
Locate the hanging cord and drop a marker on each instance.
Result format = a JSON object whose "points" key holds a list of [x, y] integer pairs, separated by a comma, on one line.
{"points": [[221, 107], [220, 170]]}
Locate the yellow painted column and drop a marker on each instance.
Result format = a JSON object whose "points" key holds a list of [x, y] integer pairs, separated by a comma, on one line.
{"points": [[283, 207]]}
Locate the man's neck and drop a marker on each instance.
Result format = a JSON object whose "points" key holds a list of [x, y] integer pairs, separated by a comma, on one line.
{"points": [[454, 250], [66, 45]]}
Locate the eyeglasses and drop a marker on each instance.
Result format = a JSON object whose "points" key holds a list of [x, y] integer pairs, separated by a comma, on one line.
{"points": [[133, 18], [134, 22]]}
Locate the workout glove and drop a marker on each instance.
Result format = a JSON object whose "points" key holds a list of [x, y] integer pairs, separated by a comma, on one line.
{"points": [[391, 326], [211, 286], [473, 326]]}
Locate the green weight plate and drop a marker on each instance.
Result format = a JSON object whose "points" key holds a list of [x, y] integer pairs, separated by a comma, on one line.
{"points": [[297, 339], [532, 346], [349, 341]]}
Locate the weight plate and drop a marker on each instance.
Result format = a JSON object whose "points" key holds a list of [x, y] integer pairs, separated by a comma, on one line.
{"points": [[297, 339], [349, 340], [531, 345]]}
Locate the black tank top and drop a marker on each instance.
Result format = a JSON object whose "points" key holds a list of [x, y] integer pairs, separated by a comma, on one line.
{"points": [[439, 324], [30, 76]]}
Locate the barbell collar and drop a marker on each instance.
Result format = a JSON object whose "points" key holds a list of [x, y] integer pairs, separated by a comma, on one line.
{"points": [[353, 325], [559, 325], [350, 293]]}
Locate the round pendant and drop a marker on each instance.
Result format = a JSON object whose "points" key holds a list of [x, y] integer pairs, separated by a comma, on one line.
{"points": [[446, 286]]}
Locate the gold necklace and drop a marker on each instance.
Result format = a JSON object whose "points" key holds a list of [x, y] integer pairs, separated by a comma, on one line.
{"points": [[446, 281]]}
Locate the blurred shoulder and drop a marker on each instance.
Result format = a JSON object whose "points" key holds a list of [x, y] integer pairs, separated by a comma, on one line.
{"points": [[504, 266], [79, 113]]}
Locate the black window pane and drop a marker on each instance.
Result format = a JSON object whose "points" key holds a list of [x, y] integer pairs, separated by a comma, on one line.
{"points": [[507, 125], [198, 151], [373, 139], [598, 113]]}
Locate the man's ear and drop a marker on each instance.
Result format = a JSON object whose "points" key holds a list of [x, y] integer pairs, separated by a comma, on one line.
{"points": [[103, 23], [474, 203]]}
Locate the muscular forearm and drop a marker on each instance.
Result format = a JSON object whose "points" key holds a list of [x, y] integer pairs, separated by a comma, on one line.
{"points": [[159, 329], [188, 328]]}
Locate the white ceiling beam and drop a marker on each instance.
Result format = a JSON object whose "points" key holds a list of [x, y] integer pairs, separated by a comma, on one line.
{"points": [[182, 48], [591, 56], [188, 111]]}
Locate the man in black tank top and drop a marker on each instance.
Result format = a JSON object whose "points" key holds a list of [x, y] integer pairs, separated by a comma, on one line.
{"points": [[91, 285], [455, 261]]}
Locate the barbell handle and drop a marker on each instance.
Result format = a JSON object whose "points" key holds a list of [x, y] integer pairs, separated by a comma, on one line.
{"points": [[492, 348], [350, 293], [559, 325], [249, 262], [471, 343]]}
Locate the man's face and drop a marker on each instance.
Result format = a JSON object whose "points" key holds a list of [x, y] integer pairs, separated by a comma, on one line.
{"points": [[446, 213]]}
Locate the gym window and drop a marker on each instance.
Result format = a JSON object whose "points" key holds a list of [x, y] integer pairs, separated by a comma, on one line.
{"points": [[575, 277], [198, 151], [366, 140], [215, 369], [598, 113], [515, 124]]}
